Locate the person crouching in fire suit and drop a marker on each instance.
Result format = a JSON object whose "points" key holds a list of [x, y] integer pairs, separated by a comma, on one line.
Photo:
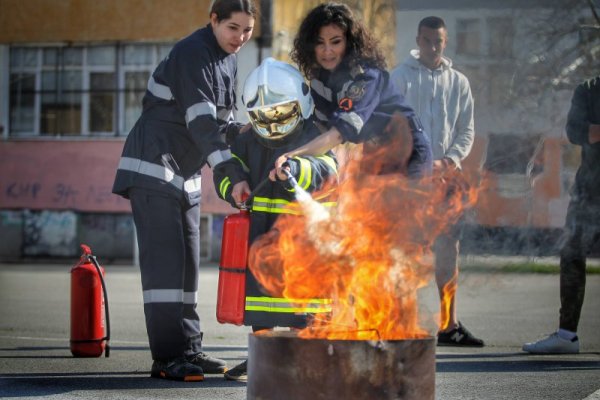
{"points": [[279, 106]]}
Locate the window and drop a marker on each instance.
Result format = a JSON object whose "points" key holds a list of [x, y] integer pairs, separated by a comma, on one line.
{"points": [[514, 154], [61, 91], [501, 33], [138, 62], [475, 77], [79, 90], [23, 63], [571, 159], [517, 160], [500, 85], [468, 37]]}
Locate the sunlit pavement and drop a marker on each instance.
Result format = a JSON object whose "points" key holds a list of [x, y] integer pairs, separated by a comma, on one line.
{"points": [[505, 310]]}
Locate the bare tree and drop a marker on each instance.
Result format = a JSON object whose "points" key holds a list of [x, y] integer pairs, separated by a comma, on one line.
{"points": [[563, 45]]}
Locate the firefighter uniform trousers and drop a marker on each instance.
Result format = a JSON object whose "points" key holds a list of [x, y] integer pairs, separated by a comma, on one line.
{"points": [[167, 230]]}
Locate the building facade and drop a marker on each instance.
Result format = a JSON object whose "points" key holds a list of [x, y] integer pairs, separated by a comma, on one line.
{"points": [[72, 76], [73, 72]]}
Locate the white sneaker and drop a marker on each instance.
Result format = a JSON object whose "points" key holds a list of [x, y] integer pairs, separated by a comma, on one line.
{"points": [[553, 344]]}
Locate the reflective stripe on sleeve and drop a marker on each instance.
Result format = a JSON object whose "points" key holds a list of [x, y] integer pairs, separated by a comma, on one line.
{"points": [[281, 305], [223, 186], [353, 119], [330, 162], [218, 156], [321, 89], [244, 166], [158, 90], [305, 178], [225, 115], [169, 296], [199, 109], [320, 116]]}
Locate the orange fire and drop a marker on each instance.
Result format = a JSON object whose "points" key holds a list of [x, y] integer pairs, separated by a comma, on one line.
{"points": [[370, 255], [448, 293]]}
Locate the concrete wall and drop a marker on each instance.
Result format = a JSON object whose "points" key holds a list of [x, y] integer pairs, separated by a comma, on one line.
{"points": [[29, 235], [72, 175], [11, 232]]}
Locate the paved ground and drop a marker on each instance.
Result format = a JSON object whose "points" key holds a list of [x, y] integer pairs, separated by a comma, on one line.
{"points": [[504, 309]]}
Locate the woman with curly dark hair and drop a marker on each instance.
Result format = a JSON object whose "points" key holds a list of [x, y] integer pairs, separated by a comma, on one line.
{"points": [[354, 97], [360, 46]]}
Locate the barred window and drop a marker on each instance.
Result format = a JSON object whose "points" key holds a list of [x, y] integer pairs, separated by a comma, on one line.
{"points": [[468, 37], [501, 34], [93, 90]]}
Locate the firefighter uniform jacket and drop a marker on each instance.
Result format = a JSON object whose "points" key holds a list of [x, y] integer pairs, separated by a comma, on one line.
{"points": [[359, 102], [190, 97], [252, 162]]}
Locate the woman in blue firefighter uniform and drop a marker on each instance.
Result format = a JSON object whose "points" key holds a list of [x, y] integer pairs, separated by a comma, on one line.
{"points": [[187, 105], [354, 97], [279, 106]]}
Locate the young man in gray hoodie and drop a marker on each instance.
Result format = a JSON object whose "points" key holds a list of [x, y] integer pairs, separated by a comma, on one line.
{"points": [[441, 97]]}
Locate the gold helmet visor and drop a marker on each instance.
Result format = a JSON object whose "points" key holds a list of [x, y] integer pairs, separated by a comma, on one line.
{"points": [[275, 121]]}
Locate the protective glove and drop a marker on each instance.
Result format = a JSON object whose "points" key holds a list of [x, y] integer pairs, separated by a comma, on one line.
{"points": [[231, 130], [294, 168]]}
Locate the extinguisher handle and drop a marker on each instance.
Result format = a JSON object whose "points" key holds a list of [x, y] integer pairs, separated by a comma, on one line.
{"points": [[246, 201]]}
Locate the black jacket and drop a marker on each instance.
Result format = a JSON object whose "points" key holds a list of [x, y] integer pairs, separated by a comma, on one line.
{"points": [[360, 102], [585, 110], [190, 97]]}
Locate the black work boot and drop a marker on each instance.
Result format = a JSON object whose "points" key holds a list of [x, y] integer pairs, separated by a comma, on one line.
{"points": [[210, 365], [238, 373], [178, 369]]}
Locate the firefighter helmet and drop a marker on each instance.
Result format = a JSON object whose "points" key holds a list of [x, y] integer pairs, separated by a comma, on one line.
{"points": [[278, 101]]}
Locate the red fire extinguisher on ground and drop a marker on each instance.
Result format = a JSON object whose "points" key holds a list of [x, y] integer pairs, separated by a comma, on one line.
{"points": [[231, 293], [89, 308]]}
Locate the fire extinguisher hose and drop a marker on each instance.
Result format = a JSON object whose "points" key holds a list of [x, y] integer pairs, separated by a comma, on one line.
{"points": [[92, 258]]}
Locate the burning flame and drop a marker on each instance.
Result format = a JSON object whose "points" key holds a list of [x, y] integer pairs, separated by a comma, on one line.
{"points": [[370, 255], [448, 292]]}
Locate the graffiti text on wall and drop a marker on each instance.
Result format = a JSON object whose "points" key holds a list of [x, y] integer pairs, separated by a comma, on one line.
{"points": [[60, 194]]}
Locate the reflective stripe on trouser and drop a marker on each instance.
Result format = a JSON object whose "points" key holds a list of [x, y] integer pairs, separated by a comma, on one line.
{"points": [[281, 206], [267, 311], [281, 305], [168, 239]]}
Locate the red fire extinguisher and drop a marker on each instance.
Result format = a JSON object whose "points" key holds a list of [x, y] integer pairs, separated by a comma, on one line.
{"points": [[231, 293], [89, 308]]}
